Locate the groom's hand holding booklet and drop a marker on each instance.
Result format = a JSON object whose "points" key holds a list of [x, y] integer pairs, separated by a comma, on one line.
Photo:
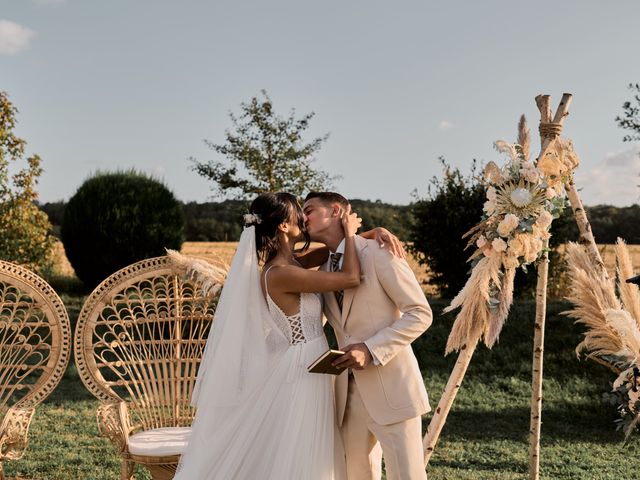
{"points": [[323, 364]]}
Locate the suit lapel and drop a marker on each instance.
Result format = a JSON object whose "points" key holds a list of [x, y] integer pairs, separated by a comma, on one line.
{"points": [[361, 245]]}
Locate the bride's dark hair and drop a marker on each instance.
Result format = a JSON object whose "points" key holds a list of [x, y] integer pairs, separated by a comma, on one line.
{"points": [[270, 211]]}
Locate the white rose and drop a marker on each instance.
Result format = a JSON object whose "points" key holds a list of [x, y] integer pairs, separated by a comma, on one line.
{"points": [[499, 245], [532, 175], [540, 232], [508, 224], [489, 207], [536, 245], [544, 219], [481, 241], [551, 193]]}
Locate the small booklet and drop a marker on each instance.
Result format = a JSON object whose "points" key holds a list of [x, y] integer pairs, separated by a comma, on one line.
{"points": [[323, 363]]}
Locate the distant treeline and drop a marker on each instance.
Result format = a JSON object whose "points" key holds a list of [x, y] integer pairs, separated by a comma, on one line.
{"points": [[222, 221]]}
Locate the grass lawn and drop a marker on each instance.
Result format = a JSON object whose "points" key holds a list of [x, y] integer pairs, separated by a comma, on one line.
{"points": [[486, 435]]}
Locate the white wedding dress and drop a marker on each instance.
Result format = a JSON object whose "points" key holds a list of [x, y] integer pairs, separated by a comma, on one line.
{"points": [[261, 415]]}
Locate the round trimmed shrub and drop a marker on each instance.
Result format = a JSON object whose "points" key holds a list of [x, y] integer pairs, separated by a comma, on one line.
{"points": [[115, 219]]}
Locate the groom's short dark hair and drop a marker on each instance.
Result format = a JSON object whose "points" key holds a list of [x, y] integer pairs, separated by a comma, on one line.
{"points": [[328, 198]]}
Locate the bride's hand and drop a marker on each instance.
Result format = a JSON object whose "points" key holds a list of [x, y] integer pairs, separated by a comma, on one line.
{"points": [[388, 240], [350, 222]]}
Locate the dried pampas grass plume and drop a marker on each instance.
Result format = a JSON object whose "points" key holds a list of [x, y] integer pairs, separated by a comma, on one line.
{"points": [[497, 318], [474, 316], [524, 137], [592, 295], [628, 291], [210, 277], [628, 332]]}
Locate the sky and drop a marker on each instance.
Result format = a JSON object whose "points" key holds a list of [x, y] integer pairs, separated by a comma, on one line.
{"points": [[121, 84]]}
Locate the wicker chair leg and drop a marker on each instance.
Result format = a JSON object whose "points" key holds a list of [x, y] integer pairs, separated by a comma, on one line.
{"points": [[127, 470], [162, 472]]}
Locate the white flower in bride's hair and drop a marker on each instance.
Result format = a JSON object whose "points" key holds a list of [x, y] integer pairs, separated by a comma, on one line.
{"points": [[252, 219], [481, 241]]}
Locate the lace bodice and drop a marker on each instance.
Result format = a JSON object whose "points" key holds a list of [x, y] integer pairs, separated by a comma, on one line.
{"points": [[304, 325]]}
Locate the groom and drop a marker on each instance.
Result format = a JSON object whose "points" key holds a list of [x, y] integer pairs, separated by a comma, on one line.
{"points": [[380, 400]]}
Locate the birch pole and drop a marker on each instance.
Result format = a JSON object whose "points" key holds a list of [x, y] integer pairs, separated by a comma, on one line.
{"points": [[547, 134], [448, 396], [586, 236]]}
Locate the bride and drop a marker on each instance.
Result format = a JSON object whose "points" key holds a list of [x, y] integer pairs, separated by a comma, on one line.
{"points": [[260, 413]]}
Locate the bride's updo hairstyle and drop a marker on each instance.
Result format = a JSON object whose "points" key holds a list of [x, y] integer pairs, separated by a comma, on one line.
{"points": [[266, 213]]}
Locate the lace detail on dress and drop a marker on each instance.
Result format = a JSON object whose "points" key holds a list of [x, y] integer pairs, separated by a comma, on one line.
{"points": [[302, 326]]}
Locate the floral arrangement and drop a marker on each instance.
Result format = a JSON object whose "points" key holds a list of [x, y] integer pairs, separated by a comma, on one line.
{"points": [[612, 336], [252, 219], [523, 198]]}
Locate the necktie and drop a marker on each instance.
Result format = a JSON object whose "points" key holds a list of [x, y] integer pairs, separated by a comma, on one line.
{"points": [[335, 267]]}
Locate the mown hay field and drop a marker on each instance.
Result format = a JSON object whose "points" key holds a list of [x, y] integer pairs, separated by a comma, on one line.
{"points": [[222, 251], [225, 250]]}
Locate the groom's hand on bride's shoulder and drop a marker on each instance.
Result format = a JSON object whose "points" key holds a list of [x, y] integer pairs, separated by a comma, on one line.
{"points": [[356, 356]]}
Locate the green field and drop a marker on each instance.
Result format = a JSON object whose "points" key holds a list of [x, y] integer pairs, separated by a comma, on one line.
{"points": [[485, 436]]}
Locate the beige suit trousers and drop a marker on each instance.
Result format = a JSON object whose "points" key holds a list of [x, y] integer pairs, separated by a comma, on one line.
{"points": [[366, 441]]}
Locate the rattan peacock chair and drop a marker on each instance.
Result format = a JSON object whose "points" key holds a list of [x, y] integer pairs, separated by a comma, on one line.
{"points": [[138, 344], [35, 343]]}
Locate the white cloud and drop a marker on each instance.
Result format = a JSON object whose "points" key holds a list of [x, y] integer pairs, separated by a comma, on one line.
{"points": [[445, 125], [613, 181], [14, 38]]}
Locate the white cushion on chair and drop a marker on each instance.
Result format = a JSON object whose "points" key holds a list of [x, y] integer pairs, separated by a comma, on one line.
{"points": [[160, 442]]}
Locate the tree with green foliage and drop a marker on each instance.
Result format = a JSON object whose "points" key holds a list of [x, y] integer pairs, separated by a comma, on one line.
{"points": [[25, 228], [452, 207], [630, 120], [118, 218], [265, 153]]}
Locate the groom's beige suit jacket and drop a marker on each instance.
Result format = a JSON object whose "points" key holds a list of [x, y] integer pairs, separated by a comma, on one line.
{"points": [[387, 311]]}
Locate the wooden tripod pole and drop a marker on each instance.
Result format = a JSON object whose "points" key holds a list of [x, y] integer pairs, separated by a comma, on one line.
{"points": [[546, 137], [448, 396], [586, 236]]}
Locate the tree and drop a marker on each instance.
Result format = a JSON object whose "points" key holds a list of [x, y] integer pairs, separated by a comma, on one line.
{"points": [[631, 117], [25, 228], [117, 218], [265, 153], [452, 207]]}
